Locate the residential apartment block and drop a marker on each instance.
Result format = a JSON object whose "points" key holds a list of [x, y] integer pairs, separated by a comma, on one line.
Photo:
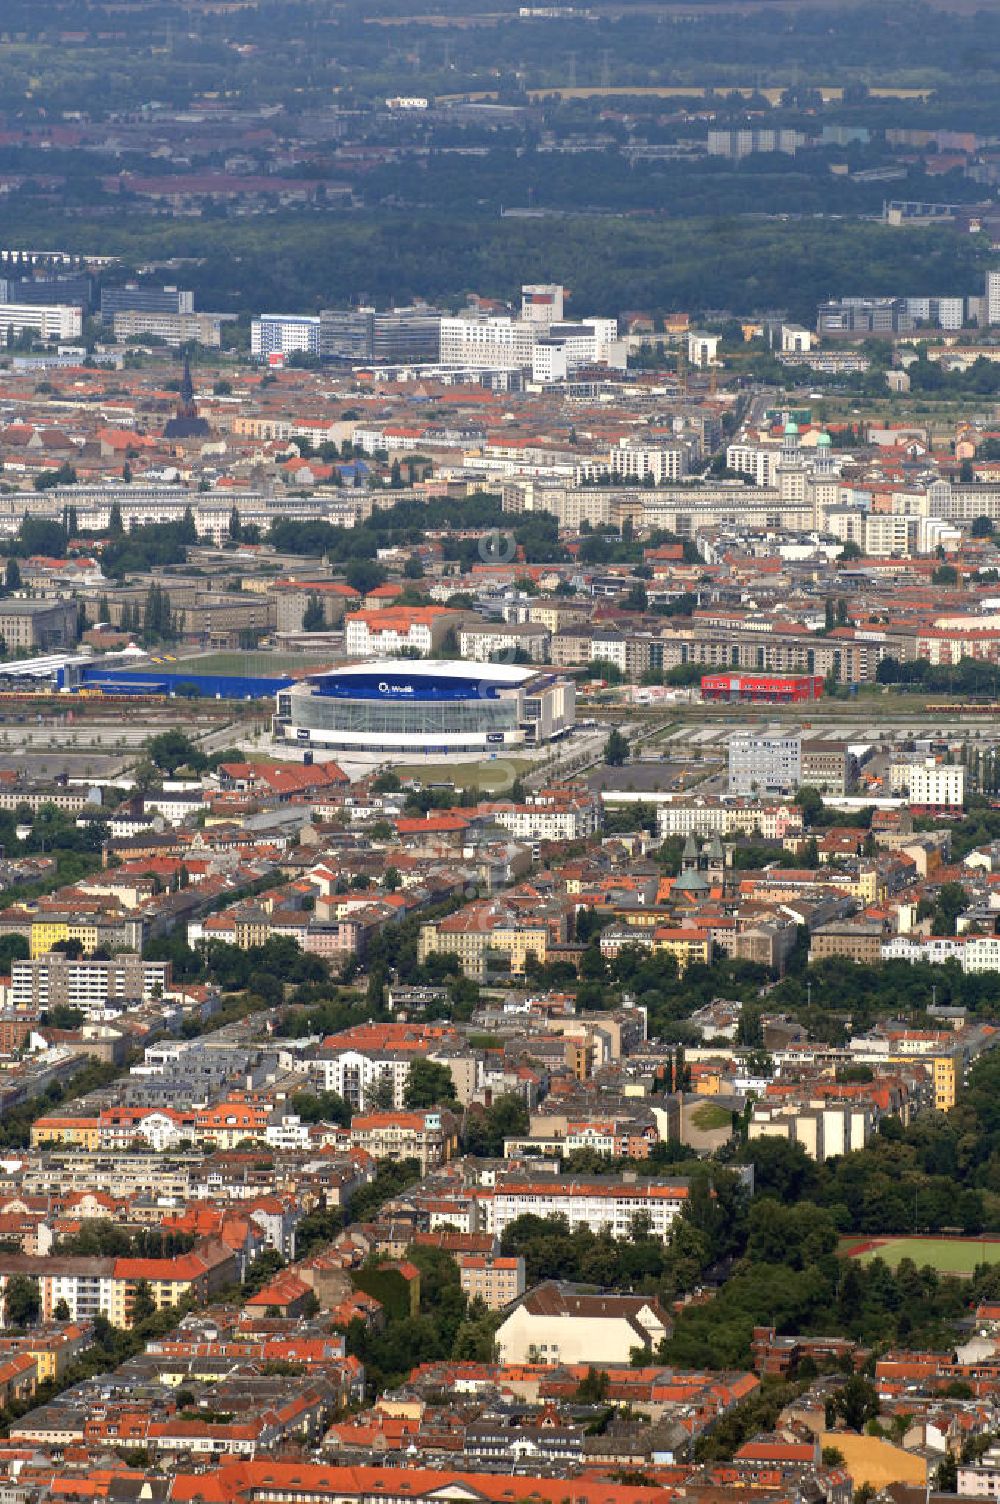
{"points": [[58, 980], [593, 1204], [430, 1137], [495, 1280]]}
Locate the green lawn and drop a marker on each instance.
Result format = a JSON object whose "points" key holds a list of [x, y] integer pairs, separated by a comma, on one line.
{"points": [[710, 1116], [485, 775], [946, 1255], [254, 664]]}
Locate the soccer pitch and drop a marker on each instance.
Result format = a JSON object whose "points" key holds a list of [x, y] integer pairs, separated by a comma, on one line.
{"points": [[946, 1255]]}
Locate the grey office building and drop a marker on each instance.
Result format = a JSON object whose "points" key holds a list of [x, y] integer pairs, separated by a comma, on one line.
{"points": [[764, 764], [144, 300], [77, 292], [362, 334]]}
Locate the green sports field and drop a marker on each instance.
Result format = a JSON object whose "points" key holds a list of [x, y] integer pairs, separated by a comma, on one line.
{"points": [[252, 664], [946, 1255]]}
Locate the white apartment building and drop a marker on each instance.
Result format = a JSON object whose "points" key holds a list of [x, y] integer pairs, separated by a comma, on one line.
{"points": [[607, 1203], [480, 643], [284, 334], [87, 1294], [159, 1128], [287, 1132], [632, 460], [974, 953], [608, 646], [385, 634], [543, 821], [758, 460], [936, 784], [356, 1074], [889, 536], [48, 321], [981, 1480], [703, 818], [482, 343], [764, 764]]}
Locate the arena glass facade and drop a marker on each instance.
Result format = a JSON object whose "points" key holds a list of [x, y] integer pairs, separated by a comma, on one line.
{"points": [[405, 706]]}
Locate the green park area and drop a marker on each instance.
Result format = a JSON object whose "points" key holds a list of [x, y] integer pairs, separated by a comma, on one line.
{"points": [[947, 1255], [487, 776]]}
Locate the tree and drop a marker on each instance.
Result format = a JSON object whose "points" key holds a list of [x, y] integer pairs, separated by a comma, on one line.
{"points": [[856, 1403], [321, 1107], [65, 475], [810, 802], [12, 576], [947, 1474], [235, 526], [60, 1311], [486, 1128], [364, 574], [22, 1301], [428, 1084], [381, 1096], [172, 750], [116, 527], [616, 750], [313, 617], [593, 1387], [143, 1304]]}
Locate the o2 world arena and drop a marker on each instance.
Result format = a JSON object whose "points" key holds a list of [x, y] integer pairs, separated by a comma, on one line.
{"points": [[399, 707]]}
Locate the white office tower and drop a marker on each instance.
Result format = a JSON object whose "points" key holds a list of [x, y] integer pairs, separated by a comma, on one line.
{"points": [[992, 298], [542, 303], [284, 334]]}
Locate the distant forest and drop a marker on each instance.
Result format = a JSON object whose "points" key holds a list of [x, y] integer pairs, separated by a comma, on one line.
{"points": [[296, 262]]}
